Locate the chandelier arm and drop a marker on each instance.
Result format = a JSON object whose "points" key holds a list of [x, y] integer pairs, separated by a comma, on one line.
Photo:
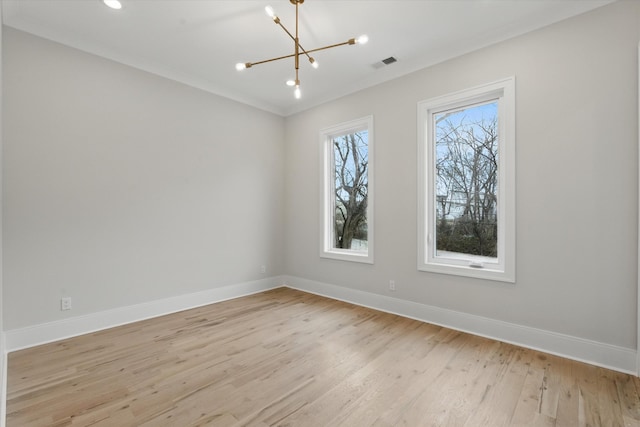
{"points": [[306, 52], [286, 31], [348, 42], [271, 60]]}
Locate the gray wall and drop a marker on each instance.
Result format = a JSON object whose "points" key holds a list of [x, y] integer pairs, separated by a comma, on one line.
{"points": [[122, 187], [577, 185]]}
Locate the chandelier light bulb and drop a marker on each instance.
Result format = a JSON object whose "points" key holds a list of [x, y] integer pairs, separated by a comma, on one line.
{"points": [[270, 12], [240, 66], [297, 92], [291, 83], [363, 39], [314, 63], [113, 4]]}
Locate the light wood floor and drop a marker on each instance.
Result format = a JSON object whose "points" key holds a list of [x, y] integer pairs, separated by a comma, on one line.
{"points": [[288, 358]]}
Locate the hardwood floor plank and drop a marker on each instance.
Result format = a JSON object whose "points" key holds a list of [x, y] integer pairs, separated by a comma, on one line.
{"points": [[589, 413], [287, 358], [568, 398], [608, 392], [534, 392], [499, 403], [551, 386], [628, 395]]}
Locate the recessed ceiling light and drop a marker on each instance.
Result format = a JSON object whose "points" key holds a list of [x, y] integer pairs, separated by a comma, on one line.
{"points": [[113, 4]]}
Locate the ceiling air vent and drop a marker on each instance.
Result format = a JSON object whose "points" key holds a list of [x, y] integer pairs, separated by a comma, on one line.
{"points": [[387, 61]]}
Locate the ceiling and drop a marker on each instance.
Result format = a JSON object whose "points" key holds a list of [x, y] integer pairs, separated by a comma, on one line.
{"points": [[198, 42]]}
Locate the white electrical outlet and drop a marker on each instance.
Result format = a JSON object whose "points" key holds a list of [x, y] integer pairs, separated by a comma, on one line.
{"points": [[65, 303], [263, 269], [392, 285]]}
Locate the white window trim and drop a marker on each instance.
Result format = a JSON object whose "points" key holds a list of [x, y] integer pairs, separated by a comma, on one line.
{"points": [[326, 191], [504, 269]]}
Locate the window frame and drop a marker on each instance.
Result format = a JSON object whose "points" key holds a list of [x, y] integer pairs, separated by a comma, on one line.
{"points": [[502, 91], [327, 192]]}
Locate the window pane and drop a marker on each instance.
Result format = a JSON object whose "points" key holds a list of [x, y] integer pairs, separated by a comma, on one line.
{"points": [[351, 159], [467, 181]]}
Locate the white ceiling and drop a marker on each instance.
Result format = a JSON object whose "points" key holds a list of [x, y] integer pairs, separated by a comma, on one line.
{"points": [[198, 42]]}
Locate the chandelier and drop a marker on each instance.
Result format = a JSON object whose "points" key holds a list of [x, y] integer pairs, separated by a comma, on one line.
{"points": [[298, 50]]}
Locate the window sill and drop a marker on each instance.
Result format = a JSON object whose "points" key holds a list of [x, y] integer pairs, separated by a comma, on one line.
{"points": [[485, 273], [353, 256]]}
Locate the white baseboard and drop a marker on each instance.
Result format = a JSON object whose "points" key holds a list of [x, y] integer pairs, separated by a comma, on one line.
{"points": [[595, 353], [17, 339]]}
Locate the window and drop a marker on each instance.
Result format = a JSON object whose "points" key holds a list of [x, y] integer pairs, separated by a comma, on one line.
{"points": [[347, 191], [466, 155]]}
